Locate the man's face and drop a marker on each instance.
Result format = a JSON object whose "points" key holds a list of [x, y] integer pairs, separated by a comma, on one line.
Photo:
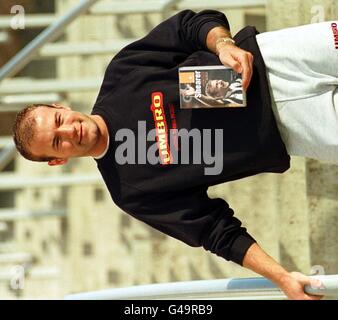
{"points": [[62, 133], [218, 88]]}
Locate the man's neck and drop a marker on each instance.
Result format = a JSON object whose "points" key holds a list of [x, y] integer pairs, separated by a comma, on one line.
{"points": [[103, 137]]}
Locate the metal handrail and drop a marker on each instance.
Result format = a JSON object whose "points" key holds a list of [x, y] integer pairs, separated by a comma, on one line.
{"points": [[242, 288], [23, 57], [7, 155]]}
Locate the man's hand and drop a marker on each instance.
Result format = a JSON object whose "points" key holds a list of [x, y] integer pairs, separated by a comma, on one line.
{"points": [[231, 55], [293, 285], [238, 59]]}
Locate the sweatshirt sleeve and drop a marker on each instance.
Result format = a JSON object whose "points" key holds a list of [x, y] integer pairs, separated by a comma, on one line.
{"points": [[195, 219], [186, 32], [167, 45]]}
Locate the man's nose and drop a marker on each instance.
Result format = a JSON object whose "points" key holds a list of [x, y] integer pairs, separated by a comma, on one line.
{"points": [[66, 131]]}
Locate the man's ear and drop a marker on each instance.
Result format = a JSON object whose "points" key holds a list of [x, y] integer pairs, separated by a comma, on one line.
{"points": [[57, 162], [60, 106]]}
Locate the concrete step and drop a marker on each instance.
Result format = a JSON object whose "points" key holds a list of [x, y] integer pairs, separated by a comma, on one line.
{"points": [[129, 7], [36, 273], [160, 6], [62, 49], [3, 37], [12, 103], [3, 227], [11, 214], [11, 87], [10, 181], [16, 257], [31, 20], [6, 247], [220, 4]]}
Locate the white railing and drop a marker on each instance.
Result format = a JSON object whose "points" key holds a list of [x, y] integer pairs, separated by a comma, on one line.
{"points": [[245, 288]]}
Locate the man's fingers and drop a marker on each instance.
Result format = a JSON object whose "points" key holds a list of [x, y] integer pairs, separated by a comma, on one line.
{"points": [[315, 283], [305, 280], [234, 64], [310, 297], [239, 60], [246, 62], [243, 65], [246, 74]]}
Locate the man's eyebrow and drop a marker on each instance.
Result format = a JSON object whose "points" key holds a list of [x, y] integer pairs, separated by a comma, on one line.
{"points": [[55, 122], [56, 114]]}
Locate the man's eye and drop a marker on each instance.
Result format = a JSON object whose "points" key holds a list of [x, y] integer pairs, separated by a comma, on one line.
{"points": [[59, 121]]}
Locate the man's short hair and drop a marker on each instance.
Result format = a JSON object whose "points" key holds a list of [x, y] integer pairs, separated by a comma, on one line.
{"points": [[23, 132]]}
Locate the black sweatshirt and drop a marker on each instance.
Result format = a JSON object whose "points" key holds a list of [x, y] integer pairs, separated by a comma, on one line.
{"points": [[172, 197]]}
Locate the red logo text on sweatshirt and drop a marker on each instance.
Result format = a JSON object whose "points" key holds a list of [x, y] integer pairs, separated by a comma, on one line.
{"points": [[161, 127], [335, 33]]}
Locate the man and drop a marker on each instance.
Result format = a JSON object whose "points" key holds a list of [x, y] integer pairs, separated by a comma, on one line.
{"points": [[139, 103]]}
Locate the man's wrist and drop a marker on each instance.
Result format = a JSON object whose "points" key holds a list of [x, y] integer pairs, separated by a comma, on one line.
{"points": [[260, 262], [282, 279], [223, 41], [214, 34]]}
